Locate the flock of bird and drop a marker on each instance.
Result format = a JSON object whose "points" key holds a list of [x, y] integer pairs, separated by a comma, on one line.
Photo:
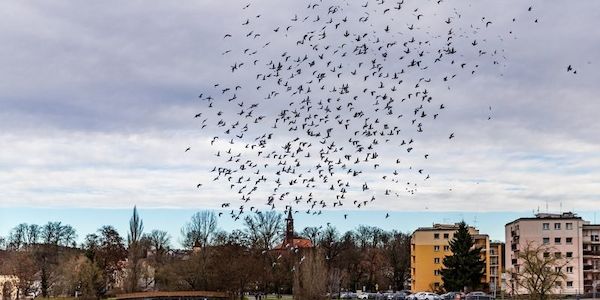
{"points": [[326, 108]]}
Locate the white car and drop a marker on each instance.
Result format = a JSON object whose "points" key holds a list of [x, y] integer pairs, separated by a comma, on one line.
{"points": [[428, 296], [363, 296]]}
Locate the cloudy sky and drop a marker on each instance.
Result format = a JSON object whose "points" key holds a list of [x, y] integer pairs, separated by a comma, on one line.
{"points": [[97, 102]]}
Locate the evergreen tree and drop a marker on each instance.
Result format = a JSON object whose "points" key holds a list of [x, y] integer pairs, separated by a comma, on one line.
{"points": [[464, 268]]}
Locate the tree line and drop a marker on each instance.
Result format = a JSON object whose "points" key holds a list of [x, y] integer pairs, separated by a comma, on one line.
{"points": [[48, 261]]}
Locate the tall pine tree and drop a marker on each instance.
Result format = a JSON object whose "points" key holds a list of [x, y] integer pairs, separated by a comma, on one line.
{"points": [[464, 268]]}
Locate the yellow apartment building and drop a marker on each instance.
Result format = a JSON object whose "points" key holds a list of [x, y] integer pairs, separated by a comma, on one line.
{"points": [[496, 263], [429, 246]]}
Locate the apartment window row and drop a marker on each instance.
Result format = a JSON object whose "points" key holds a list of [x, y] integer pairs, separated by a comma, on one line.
{"points": [[437, 236], [559, 284], [436, 248], [437, 272], [559, 254], [557, 226], [557, 240]]}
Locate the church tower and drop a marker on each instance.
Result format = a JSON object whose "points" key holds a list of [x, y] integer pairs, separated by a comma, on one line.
{"points": [[289, 227]]}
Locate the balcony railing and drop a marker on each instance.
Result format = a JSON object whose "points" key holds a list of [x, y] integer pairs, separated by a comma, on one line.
{"points": [[591, 253]]}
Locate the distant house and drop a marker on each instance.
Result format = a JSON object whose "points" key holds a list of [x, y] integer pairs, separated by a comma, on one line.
{"points": [[8, 287], [291, 240]]}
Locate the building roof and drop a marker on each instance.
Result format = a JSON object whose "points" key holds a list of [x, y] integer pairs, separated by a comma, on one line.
{"points": [[296, 242], [437, 227], [591, 226], [549, 216]]}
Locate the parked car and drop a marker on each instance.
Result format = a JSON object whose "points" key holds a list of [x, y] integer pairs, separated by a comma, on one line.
{"points": [[348, 295], [452, 295], [363, 296], [394, 296], [428, 296], [414, 296], [478, 296]]}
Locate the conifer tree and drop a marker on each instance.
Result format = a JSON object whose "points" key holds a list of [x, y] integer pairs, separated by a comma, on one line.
{"points": [[464, 268]]}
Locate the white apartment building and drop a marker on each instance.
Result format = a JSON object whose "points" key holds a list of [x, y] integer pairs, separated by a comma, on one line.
{"points": [[562, 234]]}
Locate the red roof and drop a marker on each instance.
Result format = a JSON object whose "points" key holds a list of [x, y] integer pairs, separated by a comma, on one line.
{"points": [[295, 243]]}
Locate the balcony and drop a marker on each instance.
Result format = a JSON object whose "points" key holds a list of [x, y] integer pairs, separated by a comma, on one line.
{"points": [[591, 253], [591, 268]]}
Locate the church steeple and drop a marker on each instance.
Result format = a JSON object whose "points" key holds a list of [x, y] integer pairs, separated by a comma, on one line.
{"points": [[289, 227]]}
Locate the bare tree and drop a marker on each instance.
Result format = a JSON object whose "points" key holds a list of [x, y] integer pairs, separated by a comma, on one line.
{"points": [[160, 241], [310, 277], [17, 237], [200, 229], [54, 237], [312, 233], [32, 234], [540, 273], [107, 250], [58, 234], [263, 228], [397, 251], [22, 265]]}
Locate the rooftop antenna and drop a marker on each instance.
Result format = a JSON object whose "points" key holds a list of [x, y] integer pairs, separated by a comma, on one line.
{"points": [[561, 207], [546, 206]]}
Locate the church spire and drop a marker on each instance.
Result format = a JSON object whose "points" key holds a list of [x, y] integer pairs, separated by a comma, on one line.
{"points": [[289, 227]]}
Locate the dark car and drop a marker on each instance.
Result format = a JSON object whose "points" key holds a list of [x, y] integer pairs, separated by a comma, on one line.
{"points": [[478, 296]]}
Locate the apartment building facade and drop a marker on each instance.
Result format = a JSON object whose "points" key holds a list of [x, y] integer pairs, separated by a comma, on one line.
{"points": [[591, 258], [496, 265], [561, 234], [429, 246]]}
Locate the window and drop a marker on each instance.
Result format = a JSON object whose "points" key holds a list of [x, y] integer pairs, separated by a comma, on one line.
{"points": [[546, 226], [569, 270], [558, 284], [546, 254], [436, 236], [557, 241], [437, 272], [446, 248], [569, 254], [436, 260], [569, 226], [546, 241], [436, 284], [557, 254], [557, 269], [556, 226], [436, 248], [570, 284], [446, 235], [569, 240]]}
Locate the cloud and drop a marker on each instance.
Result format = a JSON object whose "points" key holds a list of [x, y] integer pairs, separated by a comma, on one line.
{"points": [[98, 104]]}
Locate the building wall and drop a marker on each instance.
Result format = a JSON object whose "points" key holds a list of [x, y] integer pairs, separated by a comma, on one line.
{"points": [[534, 230], [9, 281], [428, 252], [591, 258], [496, 265]]}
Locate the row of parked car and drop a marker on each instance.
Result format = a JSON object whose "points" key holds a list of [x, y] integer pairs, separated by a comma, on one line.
{"points": [[406, 295]]}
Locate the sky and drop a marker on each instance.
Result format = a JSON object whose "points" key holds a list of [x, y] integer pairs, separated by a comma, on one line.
{"points": [[97, 106]]}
